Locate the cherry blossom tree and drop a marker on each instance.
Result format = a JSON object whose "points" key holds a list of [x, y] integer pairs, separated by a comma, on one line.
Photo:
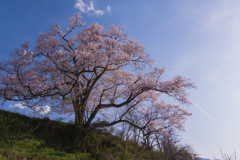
{"points": [[103, 77]]}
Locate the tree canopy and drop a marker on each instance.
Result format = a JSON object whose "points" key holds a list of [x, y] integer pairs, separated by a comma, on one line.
{"points": [[103, 77]]}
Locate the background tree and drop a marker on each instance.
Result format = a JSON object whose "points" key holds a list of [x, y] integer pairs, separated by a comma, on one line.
{"points": [[103, 77], [169, 145]]}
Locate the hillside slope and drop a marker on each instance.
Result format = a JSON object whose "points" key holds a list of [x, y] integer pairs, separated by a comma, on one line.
{"points": [[22, 137], [25, 138]]}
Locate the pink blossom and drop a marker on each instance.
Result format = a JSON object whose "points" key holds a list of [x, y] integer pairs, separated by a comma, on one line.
{"points": [[92, 73]]}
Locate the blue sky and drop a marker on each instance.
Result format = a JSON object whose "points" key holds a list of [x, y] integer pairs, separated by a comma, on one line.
{"points": [[198, 39]]}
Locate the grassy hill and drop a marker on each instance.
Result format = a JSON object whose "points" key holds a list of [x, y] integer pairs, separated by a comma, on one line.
{"points": [[25, 138]]}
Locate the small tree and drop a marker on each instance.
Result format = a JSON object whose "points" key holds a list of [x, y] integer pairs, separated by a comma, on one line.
{"points": [[103, 77], [169, 145]]}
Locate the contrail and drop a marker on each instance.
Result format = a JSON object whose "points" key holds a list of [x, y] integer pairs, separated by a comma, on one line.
{"points": [[204, 112]]}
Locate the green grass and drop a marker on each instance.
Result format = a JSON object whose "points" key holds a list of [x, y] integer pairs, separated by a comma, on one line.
{"points": [[25, 138], [22, 137]]}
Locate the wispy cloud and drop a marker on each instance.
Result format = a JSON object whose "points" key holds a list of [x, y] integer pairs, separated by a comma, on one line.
{"points": [[89, 7], [99, 12], [108, 8], [225, 17], [214, 16], [80, 5], [204, 112]]}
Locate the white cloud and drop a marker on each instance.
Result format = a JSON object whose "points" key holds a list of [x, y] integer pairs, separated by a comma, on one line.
{"points": [[18, 105], [80, 5], [42, 109], [108, 8], [89, 7], [99, 12], [38, 109]]}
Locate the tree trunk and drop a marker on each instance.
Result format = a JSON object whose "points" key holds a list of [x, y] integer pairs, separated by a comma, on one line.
{"points": [[78, 124], [80, 131]]}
